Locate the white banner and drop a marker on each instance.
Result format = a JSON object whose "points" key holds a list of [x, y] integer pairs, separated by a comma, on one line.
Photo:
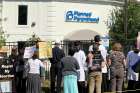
{"points": [[28, 52]]}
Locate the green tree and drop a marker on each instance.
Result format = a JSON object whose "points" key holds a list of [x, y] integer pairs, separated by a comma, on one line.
{"points": [[2, 38], [116, 23], [33, 40]]}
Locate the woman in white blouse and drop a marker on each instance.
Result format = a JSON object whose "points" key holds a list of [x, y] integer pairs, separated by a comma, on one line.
{"points": [[33, 79], [81, 58]]}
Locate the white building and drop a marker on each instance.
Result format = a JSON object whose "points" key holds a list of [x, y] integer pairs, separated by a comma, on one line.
{"points": [[56, 19]]}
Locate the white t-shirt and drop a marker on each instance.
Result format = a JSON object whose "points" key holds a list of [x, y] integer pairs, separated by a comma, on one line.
{"points": [[35, 66]]}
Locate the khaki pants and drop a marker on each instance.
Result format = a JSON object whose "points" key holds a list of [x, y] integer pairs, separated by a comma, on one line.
{"points": [[95, 81]]}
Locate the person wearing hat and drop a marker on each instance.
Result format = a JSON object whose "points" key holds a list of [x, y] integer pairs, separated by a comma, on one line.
{"points": [[102, 49], [97, 40], [98, 53], [55, 70]]}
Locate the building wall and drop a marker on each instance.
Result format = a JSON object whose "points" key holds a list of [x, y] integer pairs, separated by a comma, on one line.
{"points": [[0, 14], [37, 12], [49, 18]]}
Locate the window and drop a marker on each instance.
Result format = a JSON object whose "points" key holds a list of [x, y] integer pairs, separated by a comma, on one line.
{"points": [[22, 14]]}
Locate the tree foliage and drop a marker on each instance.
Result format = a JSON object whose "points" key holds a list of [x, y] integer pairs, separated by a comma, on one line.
{"points": [[116, 23], [33, 40], [2, 38]]}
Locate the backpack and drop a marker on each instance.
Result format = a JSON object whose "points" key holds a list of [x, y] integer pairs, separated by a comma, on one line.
{"points": [[97, 58], [95, 47]]}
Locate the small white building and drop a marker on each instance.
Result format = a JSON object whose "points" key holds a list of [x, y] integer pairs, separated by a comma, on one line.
{"points": [[56, 19]]}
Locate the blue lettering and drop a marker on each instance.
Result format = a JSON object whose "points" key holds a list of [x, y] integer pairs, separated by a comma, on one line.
{"points": [[89, 15], [78, 19], [75, 16], [97, 19], [93, 19], [69, 15], [76, 13], [85, 19], [88, 19], [82, 19], [86, 14], [79, 14], [83, 14]]}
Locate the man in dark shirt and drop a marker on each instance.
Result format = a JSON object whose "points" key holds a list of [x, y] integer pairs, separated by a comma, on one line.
{"points": [[55, 70]]}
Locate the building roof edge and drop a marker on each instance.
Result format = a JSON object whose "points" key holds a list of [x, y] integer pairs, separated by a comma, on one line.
{"points": [[103, 2]]}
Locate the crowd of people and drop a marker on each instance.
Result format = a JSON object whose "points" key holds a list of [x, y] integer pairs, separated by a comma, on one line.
{"points": [[97, 72], [26, 71]]}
